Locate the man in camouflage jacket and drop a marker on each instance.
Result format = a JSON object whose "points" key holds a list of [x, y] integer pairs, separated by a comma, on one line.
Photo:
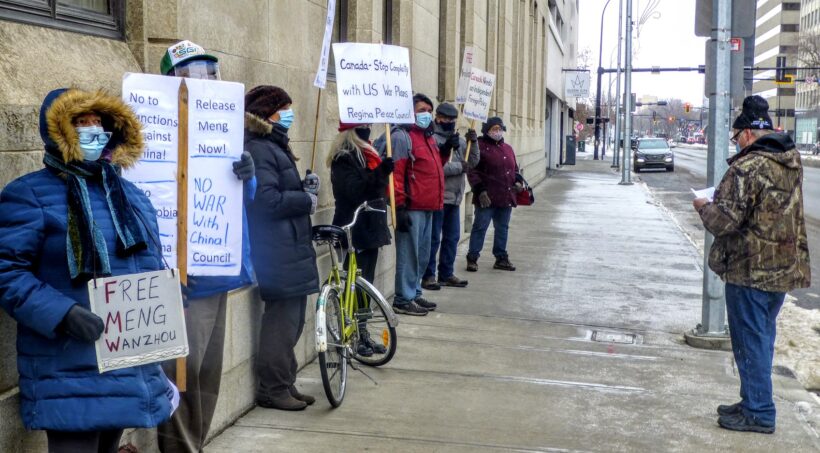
{"points": [[760, 251]]}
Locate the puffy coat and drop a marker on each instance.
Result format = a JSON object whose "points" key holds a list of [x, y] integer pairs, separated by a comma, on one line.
{"points": [[353, 184], [454, 171], [418, 176], [757, 218], [279, 216], [60, 385], [495, 173]]}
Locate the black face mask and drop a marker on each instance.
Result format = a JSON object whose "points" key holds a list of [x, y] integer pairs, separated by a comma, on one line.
{"points": [[363, 133], [447, 127]]}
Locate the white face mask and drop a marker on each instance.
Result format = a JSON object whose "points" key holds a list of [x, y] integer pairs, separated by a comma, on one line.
{"points": [[496, 135]]}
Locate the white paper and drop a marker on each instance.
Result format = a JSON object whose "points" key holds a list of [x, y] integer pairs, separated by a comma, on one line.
{"points": [[479, 93], [155, 100], [321, 74], [464, 79], [708, 193], [373, 83], [144, 319], [216, 128]]}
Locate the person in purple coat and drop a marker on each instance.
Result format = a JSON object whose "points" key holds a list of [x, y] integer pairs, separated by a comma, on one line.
{"points": [[495, 182]]}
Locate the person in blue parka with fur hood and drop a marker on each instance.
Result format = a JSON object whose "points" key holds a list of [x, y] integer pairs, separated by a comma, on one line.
{"points": [[61, 226]]}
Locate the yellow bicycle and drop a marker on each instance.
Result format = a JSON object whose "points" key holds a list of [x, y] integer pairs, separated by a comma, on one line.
{"points": [[349, 310]]}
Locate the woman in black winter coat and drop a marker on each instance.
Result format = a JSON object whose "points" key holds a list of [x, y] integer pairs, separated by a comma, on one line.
{"points": [[282, 248], [358, 174]]}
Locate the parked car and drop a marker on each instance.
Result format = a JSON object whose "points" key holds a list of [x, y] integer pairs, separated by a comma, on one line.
{"points": [[653, 153]]}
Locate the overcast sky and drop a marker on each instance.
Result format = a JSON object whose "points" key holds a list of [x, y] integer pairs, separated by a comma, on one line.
{"points": [[666, 41]]}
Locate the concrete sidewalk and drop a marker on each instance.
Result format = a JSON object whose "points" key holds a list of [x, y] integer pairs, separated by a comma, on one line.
{"points": [[580, 349]]}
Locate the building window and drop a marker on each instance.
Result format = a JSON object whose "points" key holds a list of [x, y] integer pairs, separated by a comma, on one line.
{"points": [[791, 6], [339, 35], [789, 28], [93, 17], [387, 25]]}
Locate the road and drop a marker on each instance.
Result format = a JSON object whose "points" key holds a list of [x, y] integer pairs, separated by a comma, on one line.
{"points": [[673, 190]]}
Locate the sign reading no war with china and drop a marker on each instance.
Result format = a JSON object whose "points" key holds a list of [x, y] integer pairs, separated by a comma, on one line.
{"points": [[373, 83], [215, 139]]}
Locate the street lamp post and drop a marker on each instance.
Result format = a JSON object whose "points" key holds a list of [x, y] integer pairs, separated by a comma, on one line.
{"points": [[598, 93], [626, 176], [618, 102]]}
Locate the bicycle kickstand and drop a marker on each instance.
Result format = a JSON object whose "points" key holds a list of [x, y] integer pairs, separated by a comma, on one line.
{"points": [[350, 362]]}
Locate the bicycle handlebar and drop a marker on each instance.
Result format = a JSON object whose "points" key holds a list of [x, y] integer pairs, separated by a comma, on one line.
{"points": [[362, 207]]}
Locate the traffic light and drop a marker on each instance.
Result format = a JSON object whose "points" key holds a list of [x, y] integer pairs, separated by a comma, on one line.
{"points": [[687, 107], [780, 71]]}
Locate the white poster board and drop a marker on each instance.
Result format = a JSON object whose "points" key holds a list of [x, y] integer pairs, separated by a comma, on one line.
{"points": [[215, 140], [464, 79], [321, 74], [576, 84], [155, 100], [373, 83], [479, 94], [216, 129], [144, 319]]}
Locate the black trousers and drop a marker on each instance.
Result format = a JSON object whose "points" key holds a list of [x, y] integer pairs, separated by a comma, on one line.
{"points": [[276, 365], [367, 260], [83, 442]]}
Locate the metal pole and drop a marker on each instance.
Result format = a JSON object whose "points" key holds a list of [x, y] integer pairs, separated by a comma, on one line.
{"points": [[598, 92], [626, 158], [618, 102], [713, 320]]}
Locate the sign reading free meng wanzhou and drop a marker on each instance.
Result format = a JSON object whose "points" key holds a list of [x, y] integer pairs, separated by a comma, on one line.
{"points": [[373, 83]]}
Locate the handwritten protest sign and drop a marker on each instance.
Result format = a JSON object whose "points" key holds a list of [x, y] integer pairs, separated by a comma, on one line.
{"points": [[155, 101], [215, 139], [216, 112], [143, 315], [373, 83], [479, 93], [464, 79], [321, 74]]}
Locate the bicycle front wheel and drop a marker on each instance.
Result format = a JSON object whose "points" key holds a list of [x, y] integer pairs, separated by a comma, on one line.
{"points": [[375, 331], [333, 361]]}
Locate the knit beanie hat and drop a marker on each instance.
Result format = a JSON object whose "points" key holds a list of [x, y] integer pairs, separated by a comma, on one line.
{"points": [[419, 97], [493, 121], [265, 100], [755, 114]]}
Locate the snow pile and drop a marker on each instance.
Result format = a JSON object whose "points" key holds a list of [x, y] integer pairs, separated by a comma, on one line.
{"points": [[798, 343]]}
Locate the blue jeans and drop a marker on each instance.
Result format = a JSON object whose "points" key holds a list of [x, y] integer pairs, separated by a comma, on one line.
{"points": [[412, 253], [752, 317], [481, 221], [445, 232]]}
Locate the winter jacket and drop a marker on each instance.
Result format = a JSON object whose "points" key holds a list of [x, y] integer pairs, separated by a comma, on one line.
{"points": [[279, 216], [418, 176], [61, 387], [353, 184], [454, 171], [495, 173], [757, 218]]}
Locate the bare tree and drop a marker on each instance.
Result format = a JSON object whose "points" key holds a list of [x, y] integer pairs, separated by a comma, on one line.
{"points": [[808, 51]]}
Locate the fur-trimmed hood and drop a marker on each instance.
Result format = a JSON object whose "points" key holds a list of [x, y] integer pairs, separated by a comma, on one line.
{"points": [[257, 125], [61, 106]]}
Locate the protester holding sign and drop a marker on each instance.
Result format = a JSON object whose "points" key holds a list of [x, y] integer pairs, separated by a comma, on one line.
{"points": [[358, 174], [495, 181], [446, 223], [419, 181], [207, 295], [283, 251], [75, 220]]}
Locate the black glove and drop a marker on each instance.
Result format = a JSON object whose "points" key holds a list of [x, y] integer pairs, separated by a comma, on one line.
{"points": [[385, 168], [403, 220], [82, 324], [244, 168], [471, 136], [454, 141]]}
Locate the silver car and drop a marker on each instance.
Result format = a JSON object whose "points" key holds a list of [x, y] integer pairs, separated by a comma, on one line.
{"points": [[653, 153]]}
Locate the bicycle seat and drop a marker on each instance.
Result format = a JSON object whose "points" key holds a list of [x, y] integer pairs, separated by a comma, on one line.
{"points": [[330, 233]]}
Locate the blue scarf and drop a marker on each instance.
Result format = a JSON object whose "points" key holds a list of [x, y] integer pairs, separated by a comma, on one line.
{"points": [[85, 244]]}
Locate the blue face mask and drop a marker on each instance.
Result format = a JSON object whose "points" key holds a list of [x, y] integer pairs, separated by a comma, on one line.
{"points": [[424, 119], [285, 118], [92, 141], [738, 148]]}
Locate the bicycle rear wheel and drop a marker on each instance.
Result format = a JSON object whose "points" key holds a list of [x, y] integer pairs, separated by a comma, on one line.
{"points": [[372, 319], [333, 361]]}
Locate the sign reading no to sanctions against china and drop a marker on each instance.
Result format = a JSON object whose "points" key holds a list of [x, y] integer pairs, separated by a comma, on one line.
{"points": [[479, 93], [144, 321], [373, 83]]}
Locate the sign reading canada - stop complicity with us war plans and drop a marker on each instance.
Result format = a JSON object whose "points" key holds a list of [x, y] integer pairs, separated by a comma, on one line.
{"points": [[144, 320], [373, 83], [215, 139]]}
